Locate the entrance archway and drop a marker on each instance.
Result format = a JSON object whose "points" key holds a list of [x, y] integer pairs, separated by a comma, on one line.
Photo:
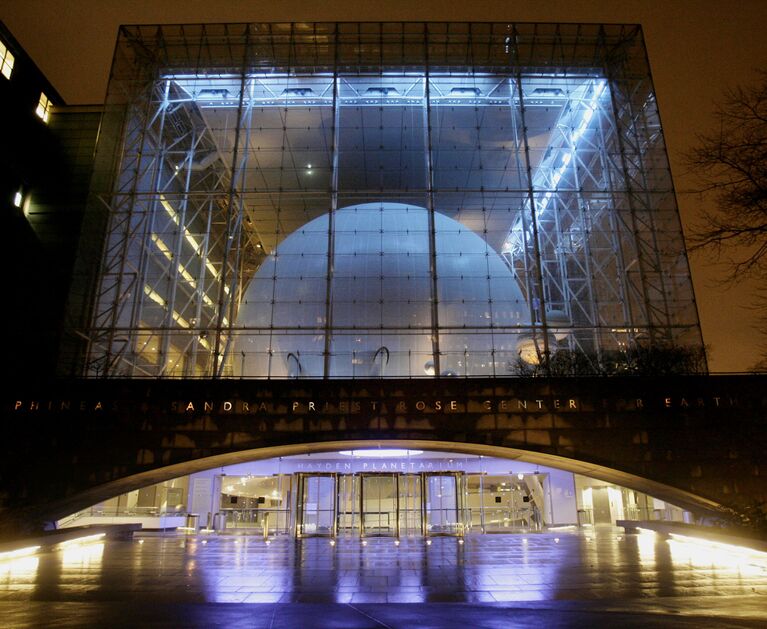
{"points": [[383, 502]]}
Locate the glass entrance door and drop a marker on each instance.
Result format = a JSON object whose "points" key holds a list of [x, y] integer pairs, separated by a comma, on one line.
{"points": [[317, 505], [379, 504], [443, 504], [348, 504], [410, 504]]}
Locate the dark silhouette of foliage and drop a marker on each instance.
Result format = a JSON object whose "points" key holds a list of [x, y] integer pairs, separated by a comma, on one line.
{"points": [[659, 359]]}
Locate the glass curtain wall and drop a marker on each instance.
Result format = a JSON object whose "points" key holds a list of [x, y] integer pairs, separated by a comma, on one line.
{"points": [[380, 200]]}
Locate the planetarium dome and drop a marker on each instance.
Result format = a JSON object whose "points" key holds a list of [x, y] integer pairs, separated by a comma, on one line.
{"points": [[380, 315]]}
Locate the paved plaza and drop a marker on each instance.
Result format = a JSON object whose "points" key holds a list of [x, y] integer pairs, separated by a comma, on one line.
{"points": [[599, 577]]}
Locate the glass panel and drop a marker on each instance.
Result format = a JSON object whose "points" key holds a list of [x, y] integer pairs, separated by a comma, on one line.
{"points": [[410, 520], [255, 502], [379, 504], [318, 505], [502, 505], [511, 503], [382, 142], [475, 502], [348, 504], [442, 513]]}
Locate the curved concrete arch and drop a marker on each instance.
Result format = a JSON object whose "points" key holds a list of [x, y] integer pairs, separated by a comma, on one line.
{"points": [[698, 442], [656, 489]]}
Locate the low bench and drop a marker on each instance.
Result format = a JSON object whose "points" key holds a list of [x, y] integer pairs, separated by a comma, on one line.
{"points": [[51, 538], [707, 533]]}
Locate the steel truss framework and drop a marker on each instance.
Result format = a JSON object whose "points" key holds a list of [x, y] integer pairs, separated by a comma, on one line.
{"points": [[544, 140]]}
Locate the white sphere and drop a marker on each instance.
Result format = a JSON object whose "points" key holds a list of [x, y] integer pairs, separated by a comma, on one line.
{"points": [[381, 279]]}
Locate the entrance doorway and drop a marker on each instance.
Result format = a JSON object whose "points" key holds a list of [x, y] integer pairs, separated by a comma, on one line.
{"points": [[317, 505], [443, 504], [411, 505], [380, 504]]}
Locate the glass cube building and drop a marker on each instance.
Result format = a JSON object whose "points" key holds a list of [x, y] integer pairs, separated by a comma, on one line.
{"points": [[366, 200]]}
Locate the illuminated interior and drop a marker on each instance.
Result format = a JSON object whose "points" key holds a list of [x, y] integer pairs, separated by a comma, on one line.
{"points": [[383, 215], [380, 492]]}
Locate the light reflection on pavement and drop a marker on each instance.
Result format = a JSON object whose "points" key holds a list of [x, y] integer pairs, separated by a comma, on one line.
{"points": [[586, 572]]}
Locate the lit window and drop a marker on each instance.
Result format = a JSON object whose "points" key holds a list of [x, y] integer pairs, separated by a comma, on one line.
{"points": [[6, 61], [43, 107]]}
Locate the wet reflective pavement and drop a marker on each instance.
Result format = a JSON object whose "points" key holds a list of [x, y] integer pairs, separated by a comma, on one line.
{"points": [[553, 579]]}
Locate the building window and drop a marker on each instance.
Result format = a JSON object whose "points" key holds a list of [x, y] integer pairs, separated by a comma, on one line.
{"points": [[43, 107], [6, 61]]}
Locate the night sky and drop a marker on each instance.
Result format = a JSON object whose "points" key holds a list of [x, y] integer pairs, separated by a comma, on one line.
{"points": [[696, 50]]}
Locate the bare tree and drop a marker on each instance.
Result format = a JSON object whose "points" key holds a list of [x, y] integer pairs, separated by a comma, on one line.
{"points": [[730, 164]]}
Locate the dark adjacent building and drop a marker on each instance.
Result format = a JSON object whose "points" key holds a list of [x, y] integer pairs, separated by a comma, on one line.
{"points": [[45, 168]]}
